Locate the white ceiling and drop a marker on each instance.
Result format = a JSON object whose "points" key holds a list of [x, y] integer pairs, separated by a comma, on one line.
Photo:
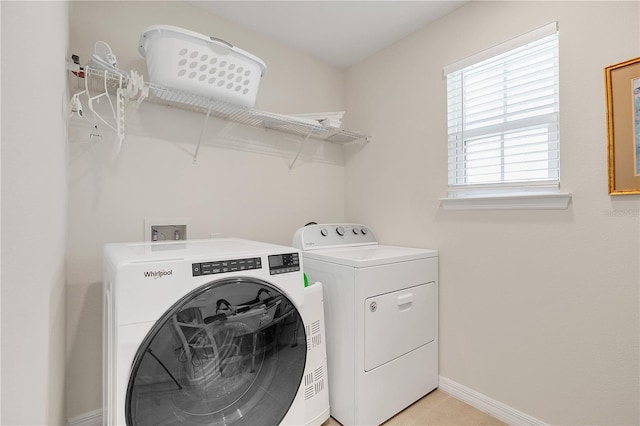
{"points": [[341, 33]]}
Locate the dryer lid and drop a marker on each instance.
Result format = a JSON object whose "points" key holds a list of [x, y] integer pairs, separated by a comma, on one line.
{"points": [[367, 256]]}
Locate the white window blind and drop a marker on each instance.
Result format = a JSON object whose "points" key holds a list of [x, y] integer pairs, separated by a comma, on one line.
{"points": [[503, 118]]}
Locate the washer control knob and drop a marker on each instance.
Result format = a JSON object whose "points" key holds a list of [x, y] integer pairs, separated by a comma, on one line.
{"points": [[340, 231], [364, 231], [355, 231], [324, 232]]}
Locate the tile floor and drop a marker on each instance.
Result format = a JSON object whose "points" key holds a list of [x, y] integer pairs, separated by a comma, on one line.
{"points": [[437, 408]]}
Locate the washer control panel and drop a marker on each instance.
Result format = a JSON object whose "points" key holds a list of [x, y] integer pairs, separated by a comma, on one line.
{"points": [[223, 266], [332, 234], [283, 263], [278, 264]]}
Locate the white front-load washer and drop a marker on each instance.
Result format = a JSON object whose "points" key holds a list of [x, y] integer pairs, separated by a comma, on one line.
{"points": [[211, 332], [381, 316]]}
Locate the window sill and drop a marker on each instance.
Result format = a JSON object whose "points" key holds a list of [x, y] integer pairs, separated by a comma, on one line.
{"points": [[552, 201]]}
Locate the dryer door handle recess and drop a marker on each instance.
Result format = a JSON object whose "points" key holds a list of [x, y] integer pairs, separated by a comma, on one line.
{"points": [[405, 301]]}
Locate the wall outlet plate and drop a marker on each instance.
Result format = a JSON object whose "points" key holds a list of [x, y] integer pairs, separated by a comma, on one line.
{"points": [[166, 229]]}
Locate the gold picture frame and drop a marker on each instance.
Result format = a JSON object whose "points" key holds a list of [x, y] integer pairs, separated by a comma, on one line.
{"points": [[622, 83]]}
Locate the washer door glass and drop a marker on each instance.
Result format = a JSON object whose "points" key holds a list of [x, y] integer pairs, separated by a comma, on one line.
{"points": [[231, 352]]}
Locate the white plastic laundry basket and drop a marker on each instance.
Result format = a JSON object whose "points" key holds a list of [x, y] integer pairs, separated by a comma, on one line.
{"points": [[200, 64]]}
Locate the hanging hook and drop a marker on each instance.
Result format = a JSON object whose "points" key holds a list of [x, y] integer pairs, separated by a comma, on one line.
{"points": [[95, 132], [144, 91], [97, 98], [106, 91], [132, 87], [75, 106], [120, 117]]}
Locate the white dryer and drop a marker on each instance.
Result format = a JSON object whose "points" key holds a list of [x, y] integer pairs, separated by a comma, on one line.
{"points": [[211, 332], [381, 317]]}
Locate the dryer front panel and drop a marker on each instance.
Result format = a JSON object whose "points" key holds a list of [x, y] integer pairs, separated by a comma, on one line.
{"points": [[397, 323], [231, 352]]}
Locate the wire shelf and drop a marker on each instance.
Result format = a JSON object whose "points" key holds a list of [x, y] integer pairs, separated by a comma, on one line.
{"points": [[303, 127]]}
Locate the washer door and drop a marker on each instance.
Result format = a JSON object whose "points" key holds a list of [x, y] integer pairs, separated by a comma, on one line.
{"points": [[231, 352]]}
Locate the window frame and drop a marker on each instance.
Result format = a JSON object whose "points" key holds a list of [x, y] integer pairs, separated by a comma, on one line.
{"points": [[534, 194]]}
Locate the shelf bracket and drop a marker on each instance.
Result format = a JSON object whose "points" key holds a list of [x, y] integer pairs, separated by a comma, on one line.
{"points": [[302, 142], [204, 127]]}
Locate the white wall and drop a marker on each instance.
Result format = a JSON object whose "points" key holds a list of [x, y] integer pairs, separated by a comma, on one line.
{"points": [[34, 212], [538, 309], [557, 339], [0, 249], [240, 186]]}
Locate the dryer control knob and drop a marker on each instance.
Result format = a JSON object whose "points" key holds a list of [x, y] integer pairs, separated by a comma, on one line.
{"points": [[340, 231], [364, 231], [355, 231], [324, 232]]}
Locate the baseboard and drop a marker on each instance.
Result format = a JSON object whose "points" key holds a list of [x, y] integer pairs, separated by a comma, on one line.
{"points": [[92, 418], [482, 402]]}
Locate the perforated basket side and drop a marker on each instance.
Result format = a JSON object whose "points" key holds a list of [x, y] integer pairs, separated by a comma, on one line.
{"points": [[205, 68]]}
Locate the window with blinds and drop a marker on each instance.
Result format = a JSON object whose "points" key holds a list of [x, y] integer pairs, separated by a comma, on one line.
{"points": [[503, 118]]}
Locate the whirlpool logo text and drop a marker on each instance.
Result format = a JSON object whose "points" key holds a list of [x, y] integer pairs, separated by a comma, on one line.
{"points": [[158, 274]]}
